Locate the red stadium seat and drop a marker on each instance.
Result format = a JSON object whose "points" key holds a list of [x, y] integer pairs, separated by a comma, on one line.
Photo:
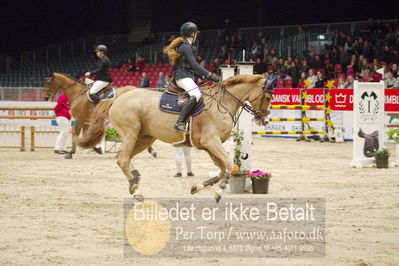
{"points": [[288, 83], [338, 68], [280, 83]]}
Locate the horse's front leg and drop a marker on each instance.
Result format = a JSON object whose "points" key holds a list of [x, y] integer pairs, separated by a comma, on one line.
{"points": [[222, 160]]}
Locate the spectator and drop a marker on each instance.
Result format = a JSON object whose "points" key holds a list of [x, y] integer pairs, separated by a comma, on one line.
{"points": [[227, 42], [343, 57], [267, 58], [391, 81], [140, 64], [259, 67], [341, 83], [349, 83], [367, 52], [241, 42], [367, 76], [216, 66], [63, 117], [161, 80], [144, 82], [130, 65], [320, 80], [365, 66], [171, 38], [304, 67], [348, 44], [146, 40], [312, 79], [223, 54], [293, 73], [395, 70], [234, 43], [256, 49], [279, 67], [301, 81], [178, 159], [201, 61]]}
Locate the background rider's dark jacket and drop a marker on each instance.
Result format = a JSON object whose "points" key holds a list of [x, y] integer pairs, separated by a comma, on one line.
{"points": [[186, 65], [102, 70]]}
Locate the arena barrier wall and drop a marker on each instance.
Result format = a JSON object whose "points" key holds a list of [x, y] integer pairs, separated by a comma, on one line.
{"points": [[28, 124]]}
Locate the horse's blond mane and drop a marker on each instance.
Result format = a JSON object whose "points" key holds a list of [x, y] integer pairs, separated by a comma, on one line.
{"points": [[242, 78]]}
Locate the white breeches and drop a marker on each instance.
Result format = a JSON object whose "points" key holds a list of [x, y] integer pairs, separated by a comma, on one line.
{"points": [[190, 87], [179, 156], [98, 85], [63, 127]]}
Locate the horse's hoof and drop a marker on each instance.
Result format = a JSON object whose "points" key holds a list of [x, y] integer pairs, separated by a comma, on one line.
{"points": [[133, 188], [139, 197], [154, 154], [68, 156], [217, 197], [218, 194], [194, 189]]}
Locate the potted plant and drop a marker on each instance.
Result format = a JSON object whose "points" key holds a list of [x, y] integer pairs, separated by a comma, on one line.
{"points": [[260, 181], [393, 134], [238, 175], [381, 157]]}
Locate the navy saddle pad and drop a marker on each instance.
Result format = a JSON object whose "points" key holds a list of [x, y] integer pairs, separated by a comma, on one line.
{"points": [[168, 103]]}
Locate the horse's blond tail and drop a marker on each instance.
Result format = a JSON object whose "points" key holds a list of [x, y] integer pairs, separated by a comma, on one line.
{"points": [[95, 132]]}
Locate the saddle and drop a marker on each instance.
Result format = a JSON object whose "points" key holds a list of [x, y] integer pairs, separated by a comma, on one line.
{"points": [[105, 94], [174, 98]]}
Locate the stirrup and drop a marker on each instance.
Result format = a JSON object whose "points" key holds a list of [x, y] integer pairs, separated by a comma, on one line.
{"points": [[186, 128]]}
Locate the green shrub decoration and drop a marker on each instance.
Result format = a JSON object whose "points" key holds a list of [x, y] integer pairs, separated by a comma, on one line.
{"points": [[380, 154], [111, 134]]}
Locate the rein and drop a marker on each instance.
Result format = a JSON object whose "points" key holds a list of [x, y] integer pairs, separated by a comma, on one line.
{"points": [[245, 106], [73, 84]]}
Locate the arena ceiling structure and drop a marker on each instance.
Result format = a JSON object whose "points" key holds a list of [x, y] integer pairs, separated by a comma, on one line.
{"points": [[28, 24]]}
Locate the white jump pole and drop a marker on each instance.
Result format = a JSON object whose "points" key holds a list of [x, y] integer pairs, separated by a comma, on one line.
{"points": [[245, 121]]}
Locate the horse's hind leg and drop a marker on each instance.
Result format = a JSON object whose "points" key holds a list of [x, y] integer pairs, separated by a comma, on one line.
{"points": [[131, 146], [75, 132]]}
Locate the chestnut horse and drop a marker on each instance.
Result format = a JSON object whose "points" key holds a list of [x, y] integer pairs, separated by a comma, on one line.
{"points": [[137, 118], [81, 107]]}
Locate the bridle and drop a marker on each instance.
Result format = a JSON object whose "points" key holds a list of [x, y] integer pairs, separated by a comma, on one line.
{"points": [[267, 92], [70, 86]]}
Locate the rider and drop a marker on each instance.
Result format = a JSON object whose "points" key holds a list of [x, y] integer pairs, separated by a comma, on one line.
{"points": [[103, 78], [181, 55]]}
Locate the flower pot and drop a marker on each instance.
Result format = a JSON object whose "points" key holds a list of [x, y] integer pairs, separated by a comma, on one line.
{"points": [[382, 162], [237, 184], [260, 186]]}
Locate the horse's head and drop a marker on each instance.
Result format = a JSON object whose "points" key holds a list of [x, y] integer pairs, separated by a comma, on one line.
{"points": [[50, 86], [260, 99]]}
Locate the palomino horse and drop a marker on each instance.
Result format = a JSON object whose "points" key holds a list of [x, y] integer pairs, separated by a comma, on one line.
{"points": [[81, 107], [137, 118]]}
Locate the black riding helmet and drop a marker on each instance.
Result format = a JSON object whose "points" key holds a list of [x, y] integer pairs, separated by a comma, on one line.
{"points": [[188, 28], [101, 47]]}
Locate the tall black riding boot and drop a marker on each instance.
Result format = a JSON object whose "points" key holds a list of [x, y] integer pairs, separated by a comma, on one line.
{"points": [[184, 114]]}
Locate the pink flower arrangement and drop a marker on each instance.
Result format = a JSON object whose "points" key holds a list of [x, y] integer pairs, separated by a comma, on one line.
{"points": [[258, 174]]}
